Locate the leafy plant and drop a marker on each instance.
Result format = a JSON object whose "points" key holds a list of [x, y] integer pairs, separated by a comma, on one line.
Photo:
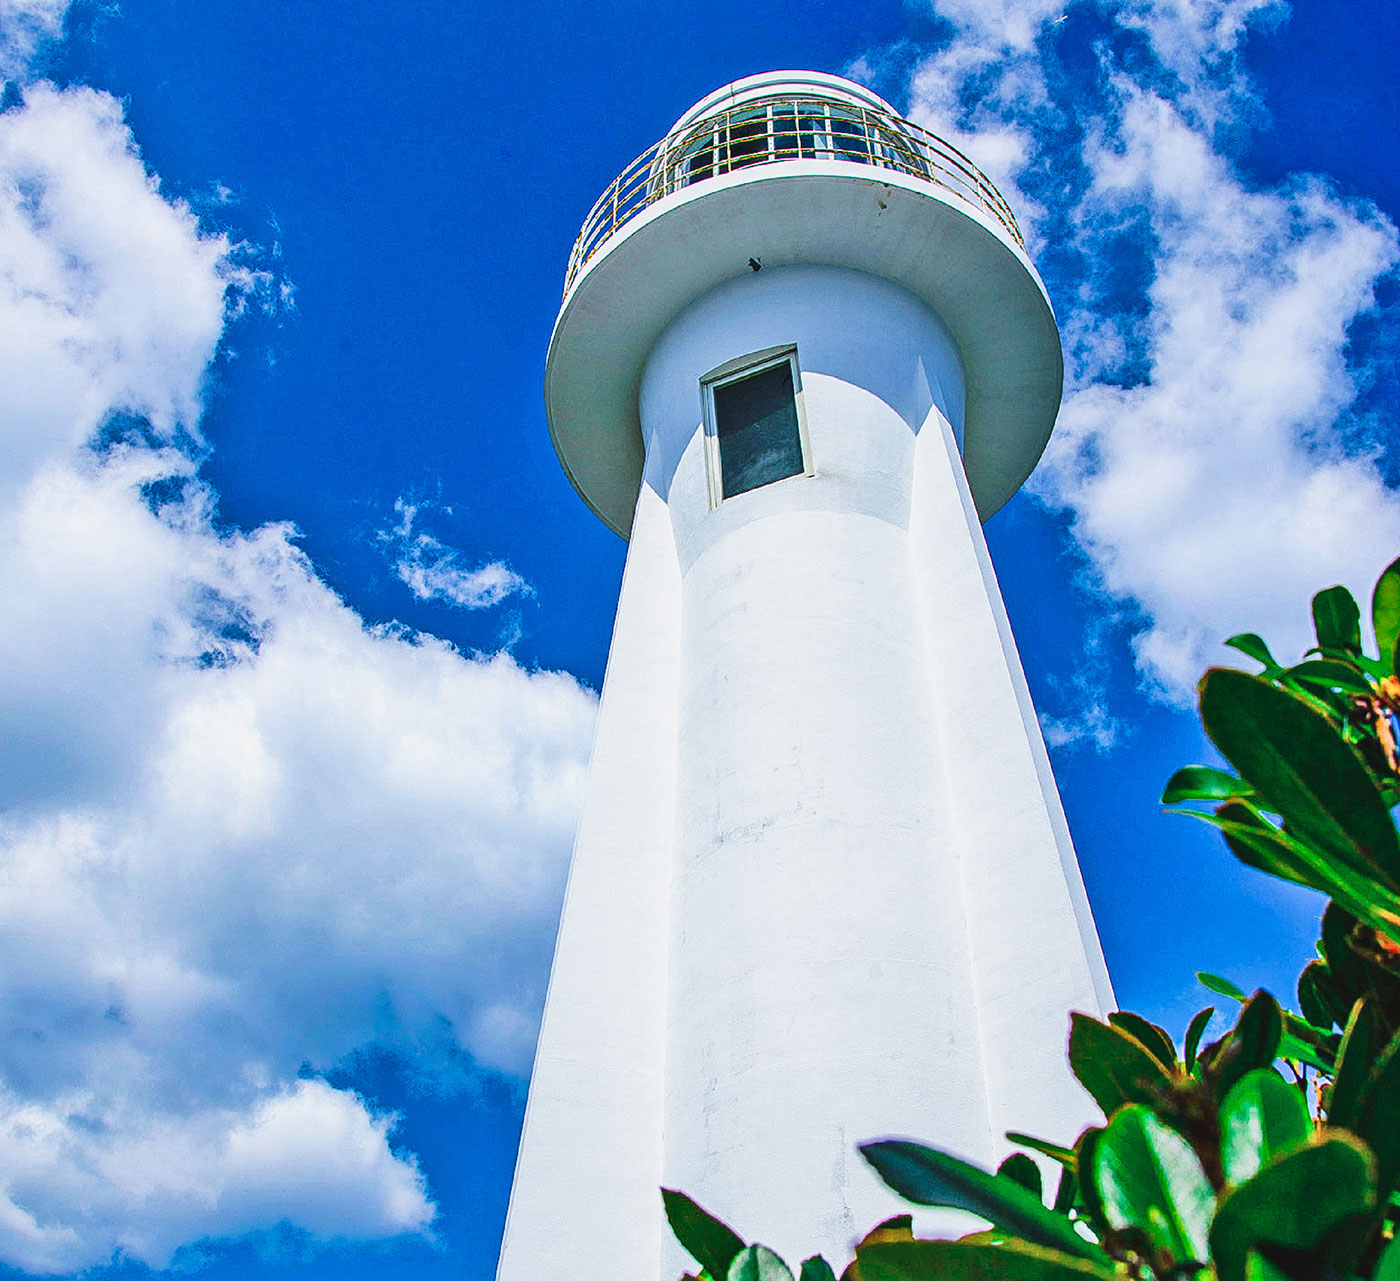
{"points": [[723, 1256], [1271, 1153]]}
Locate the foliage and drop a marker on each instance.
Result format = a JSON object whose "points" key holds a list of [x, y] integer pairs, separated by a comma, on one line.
{"points": [[723, 1256], [1272, 1153]]}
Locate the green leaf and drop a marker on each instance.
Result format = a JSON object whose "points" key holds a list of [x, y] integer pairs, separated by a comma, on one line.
{"points": [[1277, 853], [1258, 1268], [1261, 1117], [898, 1228], [1021, 1169], [1254, 1043], [1352, 959], [1257, 843], [1356, 976], [929, 1177], [1253, 647], [1298, 1201], [1065, 1156], [1193, 1035], [1362, 1042], [1153, 1037], [1085, 1146], [1337, 619], [1260, 1028], [712, 1244], [816, 1269], [1377, 1119], [1376, 668], [1303, 1043], [1388, 1269], [1149, 1178], [1332, 703], [1115, 1067], [1318, 997], [1334, 948], [963, 1261], [1067, 1192], [1330, 673], [758, 1263], [1203, 783], [1221, 987], [1302, 770], [1385, 610]]}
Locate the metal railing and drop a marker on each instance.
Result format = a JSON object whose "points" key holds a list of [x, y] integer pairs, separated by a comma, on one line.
{"points": [[769, 130]]}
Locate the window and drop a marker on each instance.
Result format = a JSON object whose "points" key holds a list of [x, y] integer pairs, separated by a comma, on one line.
{"points": [[754, 428], [788, 129]]}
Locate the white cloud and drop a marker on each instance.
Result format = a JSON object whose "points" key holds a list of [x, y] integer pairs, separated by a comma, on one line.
{"points": [[1215, 493], [1197, 39], [1090, 722], [433, 571], [1092, 725], [109, 298], [25, 25], [308, 1154], [242, 832], [1201, 452], [1001, 145]]}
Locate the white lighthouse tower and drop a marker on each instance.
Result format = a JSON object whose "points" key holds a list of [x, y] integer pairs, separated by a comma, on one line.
{"points": [[823, 890]]}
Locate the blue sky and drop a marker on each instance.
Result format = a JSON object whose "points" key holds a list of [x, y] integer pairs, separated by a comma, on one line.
{"points": [[304, 625]]}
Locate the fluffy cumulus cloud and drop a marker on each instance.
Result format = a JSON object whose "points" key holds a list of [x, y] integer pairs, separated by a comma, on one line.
{"points": [[241, 832], [307, 1154], [1214, 491], [1208, 457]]}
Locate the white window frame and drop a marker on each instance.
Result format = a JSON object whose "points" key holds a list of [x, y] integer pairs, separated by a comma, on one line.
{"points": [[736, 370]]}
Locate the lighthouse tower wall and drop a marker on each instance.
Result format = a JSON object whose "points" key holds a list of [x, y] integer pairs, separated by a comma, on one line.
{"points": [[1035, 949], [822, 891], [827, 932], [585, 1202]]}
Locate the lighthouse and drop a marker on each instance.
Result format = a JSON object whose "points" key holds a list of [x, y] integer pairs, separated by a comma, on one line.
{"points": [[822, 890]]}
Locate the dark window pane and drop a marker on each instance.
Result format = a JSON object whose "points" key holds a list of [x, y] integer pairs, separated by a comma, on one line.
{"points": [[784, 132], [849, 135], [812, 123], [756, 421], [748, 137], [698, 159]]}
